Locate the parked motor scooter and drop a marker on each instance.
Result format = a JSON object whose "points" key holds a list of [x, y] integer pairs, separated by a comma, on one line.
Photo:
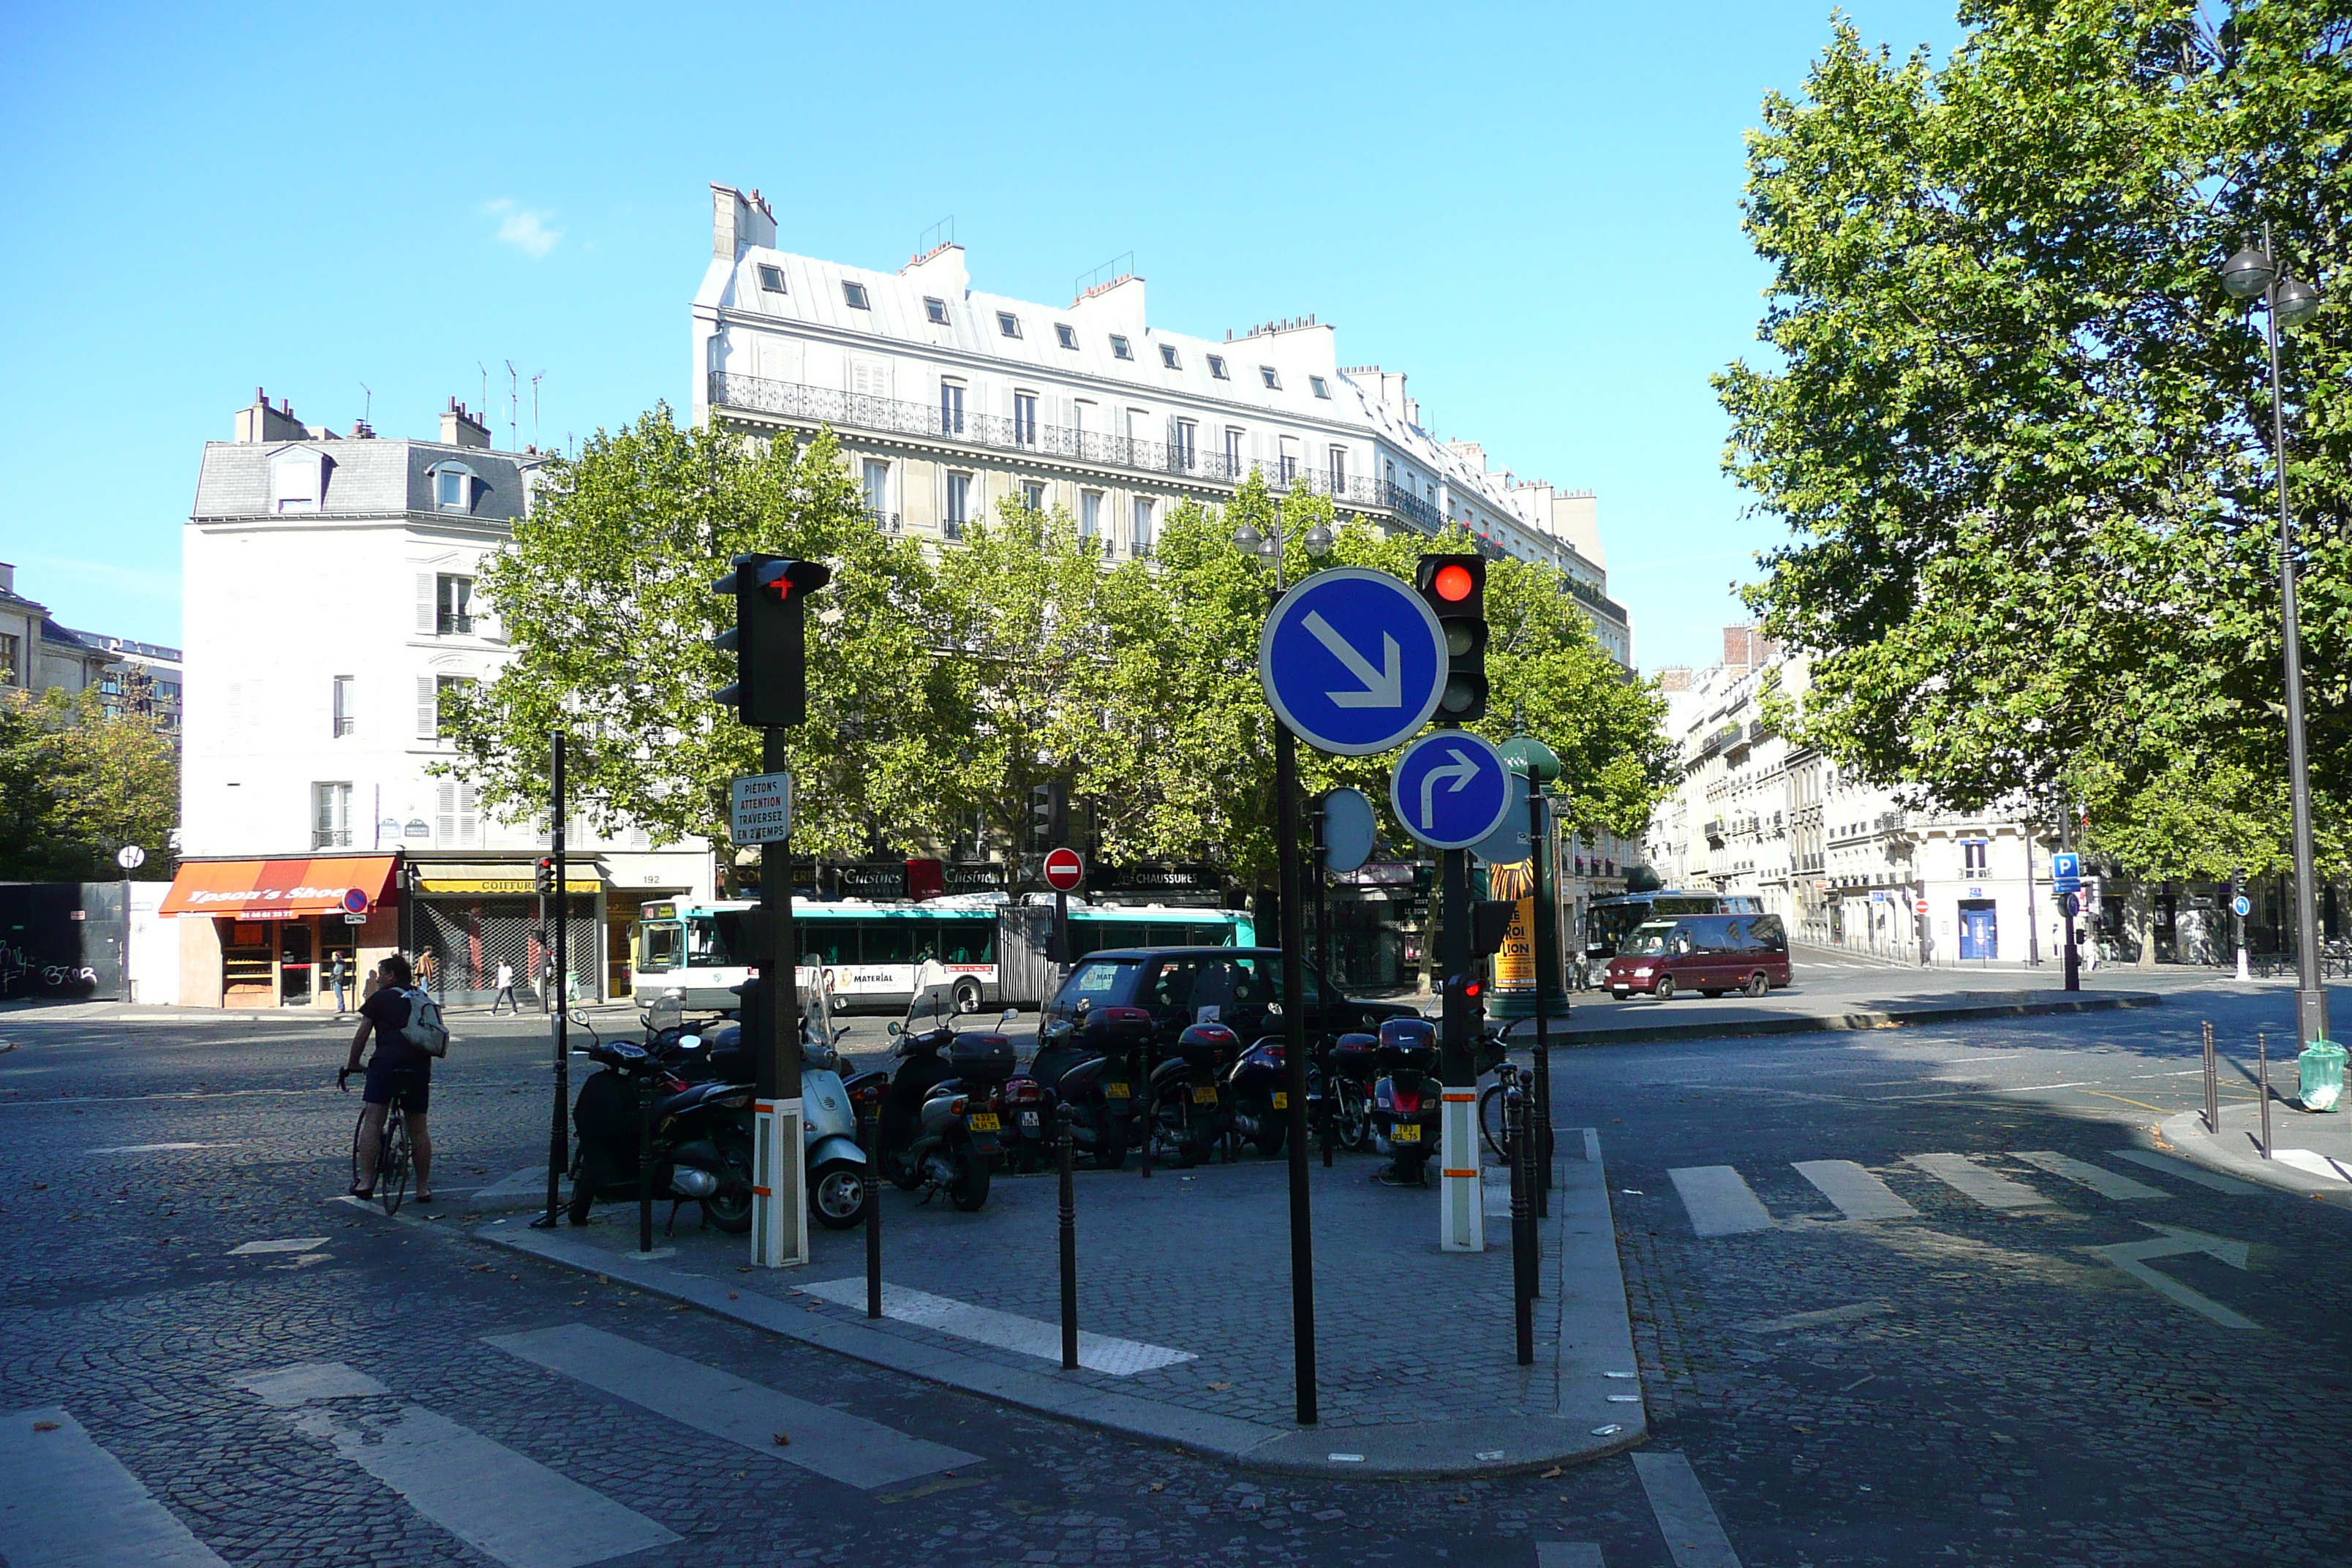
{"points": [[1408, 1104], [1096, 1084], [1257, 1095], [1347, 1089], [1189, 1114], [701, 1142], [939, 1108]]}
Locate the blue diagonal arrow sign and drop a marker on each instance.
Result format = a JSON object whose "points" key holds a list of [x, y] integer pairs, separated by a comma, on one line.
{"points": [[1353, 661], [1450, 789]]}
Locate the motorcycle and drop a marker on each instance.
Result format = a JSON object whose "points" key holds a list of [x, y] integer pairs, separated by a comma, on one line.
{"points": [[1097, 1086], [1190, 1115], [1407, 1110], [1258, 1092], [700, 1148], [1353, 1068], [939, 1109]]}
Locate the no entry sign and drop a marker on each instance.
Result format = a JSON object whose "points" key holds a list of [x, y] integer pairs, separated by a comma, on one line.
{"points": [[1064, 869]]}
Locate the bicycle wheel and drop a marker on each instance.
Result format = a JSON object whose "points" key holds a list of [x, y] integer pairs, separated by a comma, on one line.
{"points": [[1491, 1125], [392, 1165]]}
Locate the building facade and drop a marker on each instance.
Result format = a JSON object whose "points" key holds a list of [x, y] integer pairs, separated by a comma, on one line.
{"points": [[38, 655], [330, 606], [1844, 863]]}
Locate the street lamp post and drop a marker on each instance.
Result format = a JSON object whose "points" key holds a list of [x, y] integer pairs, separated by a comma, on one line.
{"points": [[1293, 997], [2287, 302]]}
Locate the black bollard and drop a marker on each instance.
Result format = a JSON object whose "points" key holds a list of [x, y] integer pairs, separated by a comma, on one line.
{"points": [[2262, 1086], [645, 1166], [2212, 1085], [1523, 1226], [870, 1127], [1069, 1248]]}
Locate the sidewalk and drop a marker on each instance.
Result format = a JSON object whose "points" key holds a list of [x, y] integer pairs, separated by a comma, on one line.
{"points": [[1184, 1301], [2311, 1153], [1795, 1012]]}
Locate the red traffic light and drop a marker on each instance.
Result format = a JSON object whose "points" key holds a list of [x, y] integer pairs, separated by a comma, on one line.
{"points": [[1453, 584]]}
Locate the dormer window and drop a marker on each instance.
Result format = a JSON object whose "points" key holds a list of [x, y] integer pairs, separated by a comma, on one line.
{"points": [[1066, 335], [1320, 387], [1118, 349], [1217, 367], [453, 486], [772, 280], [297, 480], [1273, 382], [1008, 324], [1168, 357], [854, 295], [936, 310]]}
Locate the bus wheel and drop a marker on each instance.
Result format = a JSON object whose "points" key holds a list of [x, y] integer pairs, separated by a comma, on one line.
{"points": [[967, 997]]}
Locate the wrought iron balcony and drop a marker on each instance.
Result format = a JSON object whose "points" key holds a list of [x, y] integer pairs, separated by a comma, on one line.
{"points": [[887, 521]]}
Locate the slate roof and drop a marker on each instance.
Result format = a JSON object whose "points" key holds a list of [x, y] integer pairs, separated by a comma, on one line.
{"points": [[371, 478]]}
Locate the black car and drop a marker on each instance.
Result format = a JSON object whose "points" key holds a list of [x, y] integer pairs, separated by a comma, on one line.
{"points": [[1156, 992]]}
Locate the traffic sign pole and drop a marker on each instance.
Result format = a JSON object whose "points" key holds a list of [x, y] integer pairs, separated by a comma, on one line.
{"points": [[779, 1217], [1462, 1220], [557, 1144], [1294, 1056]]}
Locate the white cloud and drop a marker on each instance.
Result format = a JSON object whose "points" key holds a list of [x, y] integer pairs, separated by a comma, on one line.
{"points": [[523, 227]]}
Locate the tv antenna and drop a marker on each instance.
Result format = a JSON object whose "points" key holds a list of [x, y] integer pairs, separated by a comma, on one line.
{"points": [[514, 409], [534, 405], [367, 406]]}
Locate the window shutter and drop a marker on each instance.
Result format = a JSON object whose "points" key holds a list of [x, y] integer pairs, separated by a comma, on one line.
{"points": [[444, 825], [427, 608], [428, 710], [469, 824]]}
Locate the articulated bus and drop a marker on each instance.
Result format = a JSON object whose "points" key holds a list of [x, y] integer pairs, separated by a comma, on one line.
{"points": [[867, 953], [1609, 922]]}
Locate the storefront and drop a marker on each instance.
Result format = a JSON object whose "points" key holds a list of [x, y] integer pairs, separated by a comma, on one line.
{"points": [[282, 934], [474, 918]]}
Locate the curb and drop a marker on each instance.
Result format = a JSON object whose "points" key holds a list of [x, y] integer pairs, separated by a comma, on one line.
{"points": [[1871, 1018], [2185, 1136], [1594, 1325]]}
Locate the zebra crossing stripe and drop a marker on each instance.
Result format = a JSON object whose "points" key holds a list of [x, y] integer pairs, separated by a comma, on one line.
{"points": [[1972, 1180], [2107, 1183], [1694, 1535], [68, 1503], [1857, 1193], [1568, 1554], [1718, 1200], [831, 1443], [2165, 1164]]}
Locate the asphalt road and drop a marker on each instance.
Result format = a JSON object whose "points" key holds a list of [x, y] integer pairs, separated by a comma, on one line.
{"points": [[1966, 1383]]}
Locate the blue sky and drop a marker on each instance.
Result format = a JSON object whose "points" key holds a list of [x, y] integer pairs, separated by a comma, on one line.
{"points": [[1533, 212]]}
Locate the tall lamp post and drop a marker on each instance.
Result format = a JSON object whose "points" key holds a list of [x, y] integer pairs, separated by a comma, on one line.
{"points": [[1294, 996], [2288, 301]]}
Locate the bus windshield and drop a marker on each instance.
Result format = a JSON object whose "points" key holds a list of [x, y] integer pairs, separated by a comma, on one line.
{"points": [[661, 946]]}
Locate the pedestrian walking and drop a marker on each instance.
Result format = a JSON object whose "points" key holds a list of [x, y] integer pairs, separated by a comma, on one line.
{"points": [[397, 1068], [335, 968], [506, 989]]}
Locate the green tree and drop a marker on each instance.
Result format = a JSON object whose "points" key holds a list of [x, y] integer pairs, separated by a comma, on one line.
{"points": [[81, 777], [606, 595], [2021, 437]]}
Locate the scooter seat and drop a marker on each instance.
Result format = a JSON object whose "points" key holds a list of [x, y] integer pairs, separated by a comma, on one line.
{"points": [[701, 1094]]}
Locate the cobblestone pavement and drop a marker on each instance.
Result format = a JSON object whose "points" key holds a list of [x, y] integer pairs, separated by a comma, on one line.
{"points": [[1967, 1385]]}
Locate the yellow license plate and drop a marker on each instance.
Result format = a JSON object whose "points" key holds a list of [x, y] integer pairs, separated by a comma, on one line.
{"points": [[1406, 1132], [1204, 1096], [1281, 1100], [983, 1122], [1114, 1092]]}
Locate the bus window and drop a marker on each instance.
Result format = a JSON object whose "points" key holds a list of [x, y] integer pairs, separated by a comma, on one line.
{"points": [[833, 942], [715, 942], [660, 944], [885, 941], [968, 942]]}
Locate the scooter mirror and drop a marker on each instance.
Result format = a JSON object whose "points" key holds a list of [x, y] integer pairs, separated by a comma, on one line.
{"points": [[896, 1027], [1010, 1014], [690, 1042]]}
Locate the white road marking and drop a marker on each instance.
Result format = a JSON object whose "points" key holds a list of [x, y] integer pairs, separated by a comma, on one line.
{"points": [[1568, 1554], [290, 1385], [68, 1503], [1972, 1180], [1816, 1319], [2107, 1183], [1694, 1535], [831, 1443], [1005, 1331], [156, 1147], [496, 1501], [2171, 1166], [2318, 1164], [1857, 1193], [1718, 1200], [283, 1243], [2131, 1256]]}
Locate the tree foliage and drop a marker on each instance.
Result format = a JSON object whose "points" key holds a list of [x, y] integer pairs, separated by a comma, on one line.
{"points": [[77, 782], [941, 690], [2022, 438]]}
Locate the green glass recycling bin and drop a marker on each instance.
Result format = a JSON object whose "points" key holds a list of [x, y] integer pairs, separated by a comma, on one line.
{"points": [[2323, 1075]]}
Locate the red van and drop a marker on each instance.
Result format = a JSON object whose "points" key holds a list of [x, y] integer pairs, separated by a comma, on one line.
{"points": [[1707, 953]]}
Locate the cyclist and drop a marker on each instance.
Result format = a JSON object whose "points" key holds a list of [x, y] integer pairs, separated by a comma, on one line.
{"points": [[397, 1068]]}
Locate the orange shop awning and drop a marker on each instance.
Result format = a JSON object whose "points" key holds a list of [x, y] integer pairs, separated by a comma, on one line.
{"points": [[279, 889]]}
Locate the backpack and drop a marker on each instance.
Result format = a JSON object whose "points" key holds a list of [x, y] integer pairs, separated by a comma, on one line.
{"points": [[425, 1029]]}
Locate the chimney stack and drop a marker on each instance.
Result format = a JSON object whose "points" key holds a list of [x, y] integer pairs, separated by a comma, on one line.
{"points": [[260, 421], [461, 428]]}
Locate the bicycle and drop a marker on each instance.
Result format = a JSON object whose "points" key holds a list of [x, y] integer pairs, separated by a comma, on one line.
{"points": [[394, 1157]]}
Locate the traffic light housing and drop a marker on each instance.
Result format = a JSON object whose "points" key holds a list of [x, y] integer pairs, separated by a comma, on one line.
{"points": [[1490, 921], [1454, 586], [1049, 815], [542, 876], [768, 638]]}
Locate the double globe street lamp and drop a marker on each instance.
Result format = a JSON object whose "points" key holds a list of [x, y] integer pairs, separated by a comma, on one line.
{"points": [[2288, 301]]}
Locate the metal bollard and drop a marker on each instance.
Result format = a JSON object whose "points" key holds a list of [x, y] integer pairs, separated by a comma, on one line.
{"points": [[644, 1168], [1523, 1228], [2263, 1088], [1138, 1094], [2212, 1085], [870, 1132], [1069, 1248]]}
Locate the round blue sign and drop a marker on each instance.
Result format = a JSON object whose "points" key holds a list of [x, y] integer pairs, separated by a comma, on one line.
{"points": [[2241, 905], [1352, 661], [1451, 790]]}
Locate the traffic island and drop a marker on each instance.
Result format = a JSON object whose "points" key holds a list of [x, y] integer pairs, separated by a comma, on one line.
{"points": [[1184, 1312], [1616, 1023], [2310, 1153]]}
